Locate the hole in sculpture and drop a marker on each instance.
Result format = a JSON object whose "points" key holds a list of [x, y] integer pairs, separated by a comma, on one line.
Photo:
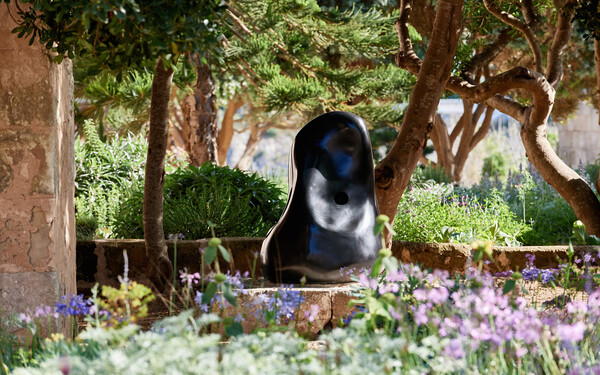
{"points": [[340, 198]]}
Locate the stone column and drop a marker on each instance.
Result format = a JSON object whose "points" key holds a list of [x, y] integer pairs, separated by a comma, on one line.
{"points": [[37, 224]]}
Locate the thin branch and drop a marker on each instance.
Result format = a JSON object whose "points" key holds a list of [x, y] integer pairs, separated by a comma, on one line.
{"points": [[554, 68], [528, 11], [489, 53], [457, 128], [483, 129], [524, 28], [478, 112], [406, 57]]}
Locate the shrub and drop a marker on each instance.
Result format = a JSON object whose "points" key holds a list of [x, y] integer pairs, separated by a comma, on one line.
{"points": [[431, 173], [432, 212], [536, 203], [494, 165], [235, 202], [104, 173]]}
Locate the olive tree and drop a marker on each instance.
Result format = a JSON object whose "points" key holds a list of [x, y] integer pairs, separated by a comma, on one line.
{"points": [[500, 64]]}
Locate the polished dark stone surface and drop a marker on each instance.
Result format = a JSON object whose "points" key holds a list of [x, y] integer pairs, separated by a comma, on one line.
{"points": [[328, 221]]}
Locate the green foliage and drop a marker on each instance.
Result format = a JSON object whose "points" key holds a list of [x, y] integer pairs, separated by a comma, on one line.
{"points": [[127, 304], [536, 203], [237, 203], [120, 34], [431, 173], [104, 173], [436, 212], [299, 56], [494, 165], [587, 16]]}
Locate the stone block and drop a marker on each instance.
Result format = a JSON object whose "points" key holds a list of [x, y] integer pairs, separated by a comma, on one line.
{"points": [[37, 221]]}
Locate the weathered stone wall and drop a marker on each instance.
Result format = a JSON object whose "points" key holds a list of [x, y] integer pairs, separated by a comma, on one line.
{"points": [[37, 229], [579, 139]]}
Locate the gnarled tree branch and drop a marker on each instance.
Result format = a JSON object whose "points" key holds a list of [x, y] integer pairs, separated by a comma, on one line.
{"points": [[524, 28]]}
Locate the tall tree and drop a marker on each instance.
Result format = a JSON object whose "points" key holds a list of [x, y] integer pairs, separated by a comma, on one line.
{"points": [[523, 87], [392, 174], [129, 34]]}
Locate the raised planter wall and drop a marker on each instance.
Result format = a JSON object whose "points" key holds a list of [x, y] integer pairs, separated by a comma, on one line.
{"points": [[102, 260]]}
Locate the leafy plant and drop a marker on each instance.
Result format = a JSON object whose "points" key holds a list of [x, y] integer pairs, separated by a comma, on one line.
{"points": [[237, 203], [430, 212], [494, 165], [431, 173], [104, 173]]}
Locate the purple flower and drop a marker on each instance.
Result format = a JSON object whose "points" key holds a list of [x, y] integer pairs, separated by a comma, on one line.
{"points": [[64, 365], [438, 295], [189, 278], [25, 318], [176, 237], [530, 259], [454, 349], [45, 311], [312, 313], [366, 281], [280, 306], [587, 258], [420, 314], [504, 273], [73, 305], [571, 332]]}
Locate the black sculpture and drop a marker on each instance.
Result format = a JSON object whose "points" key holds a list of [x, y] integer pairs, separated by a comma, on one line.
{"points": [[328, 221]]}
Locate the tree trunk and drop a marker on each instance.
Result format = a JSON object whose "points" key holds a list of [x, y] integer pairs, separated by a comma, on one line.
{"points": [[442, 145], [392, 174], [597, 63], [256, 134], [200, 113], [226, 132], [559, 175], [154, 234]]}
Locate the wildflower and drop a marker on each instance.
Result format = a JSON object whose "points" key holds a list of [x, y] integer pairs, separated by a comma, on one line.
{"points": [[520, 351], [587, 258], [25, 318], [437, 295], [454, 349], [176, 237], [571, 332], [389, 288], [420, 314], [503, 273], [45, 311], [189, 278], [366, 281], [72, 305], [283, 303], [64, 365], [312, 313], [530, 259]]}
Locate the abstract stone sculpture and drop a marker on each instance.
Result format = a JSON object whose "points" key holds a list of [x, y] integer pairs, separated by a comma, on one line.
{"points": [[328, 221]]}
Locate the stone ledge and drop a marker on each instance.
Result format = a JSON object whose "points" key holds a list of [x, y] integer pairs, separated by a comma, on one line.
{"points": [[102, 260]]}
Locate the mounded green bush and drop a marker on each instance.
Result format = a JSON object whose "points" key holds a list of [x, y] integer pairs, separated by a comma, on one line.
{"points": [[236, 203]]}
